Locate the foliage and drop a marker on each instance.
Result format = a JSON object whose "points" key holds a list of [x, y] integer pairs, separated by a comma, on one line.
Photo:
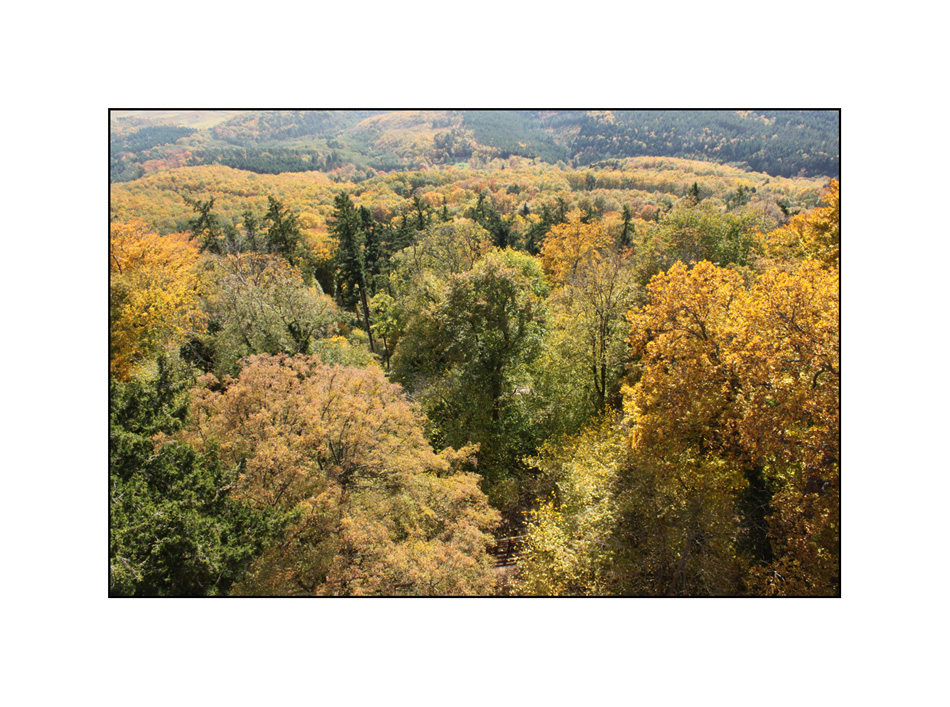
{"points": [[696, 233], [259, 304], [444, 250], [173, 529], [689, 447], [780, 143], [127, 150], [352, 231], [375, 510], [749, 377], [591, 309], [789, 355], [467, 355], [569, 547], [153, 293], [815, 234], [570, 245]]}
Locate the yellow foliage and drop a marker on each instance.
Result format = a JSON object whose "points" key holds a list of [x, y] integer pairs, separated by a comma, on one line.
{"points": [[568, 245], [153, 293], [750, 376], [814, 235], [569, 549]]}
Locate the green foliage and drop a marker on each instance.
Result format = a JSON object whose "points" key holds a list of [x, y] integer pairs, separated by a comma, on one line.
{"points": [[205, 226], [174, 529], [781, 143], [696, 233], [283, 236], [259, 304], [467, 358], [513, 133]]}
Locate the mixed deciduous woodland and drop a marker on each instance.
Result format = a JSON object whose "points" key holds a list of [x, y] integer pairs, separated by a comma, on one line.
{"points": [[474, 353]]}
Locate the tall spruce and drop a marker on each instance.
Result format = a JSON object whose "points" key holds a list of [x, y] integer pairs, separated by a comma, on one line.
{"points": [[351, 257], [204, 225], [283, 232]]}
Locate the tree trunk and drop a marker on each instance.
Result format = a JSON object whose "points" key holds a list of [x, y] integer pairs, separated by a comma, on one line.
{"points": [[369, 331]]}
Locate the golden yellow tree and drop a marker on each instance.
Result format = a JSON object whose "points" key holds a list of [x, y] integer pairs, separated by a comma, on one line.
{"points": [[788, 357], [153, 293], [814, 235], [570, 544], [680, 489], [570, 244], [743, 383]]}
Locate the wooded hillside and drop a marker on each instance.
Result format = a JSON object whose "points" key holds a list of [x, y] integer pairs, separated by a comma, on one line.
{"points": [[362, 353]]}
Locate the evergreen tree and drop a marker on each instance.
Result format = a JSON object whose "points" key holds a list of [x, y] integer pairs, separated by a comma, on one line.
{"points": [[693, 193], [251, 226], [174, 529], [205, 226], [283, 233], [351, 257], [373, 249], [626, 232]]}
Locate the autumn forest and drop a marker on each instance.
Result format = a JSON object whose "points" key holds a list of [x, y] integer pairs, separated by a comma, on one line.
{"points": [[474, 353]]}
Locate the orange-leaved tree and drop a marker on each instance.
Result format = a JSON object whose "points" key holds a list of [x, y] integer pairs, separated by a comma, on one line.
{"points": [[153, 293], [372, 509]]}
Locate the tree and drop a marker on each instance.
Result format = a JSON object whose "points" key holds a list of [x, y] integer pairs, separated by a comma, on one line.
{"points": [[417, 282], [591, 308], [351, 256], [173, 528], [570, 244], [260, 304], [815, 234], [693, 194], [466, 357], [283, 232], [374, 509], [443, 250], [571, 544], [493, 316], [205, 226], [745, 381], [626, 232], [697, 233], [154, 292], [788, 355], [683, 494]]}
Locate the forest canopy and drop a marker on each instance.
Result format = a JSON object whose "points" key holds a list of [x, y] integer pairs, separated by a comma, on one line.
{"points": [[474, 353]]}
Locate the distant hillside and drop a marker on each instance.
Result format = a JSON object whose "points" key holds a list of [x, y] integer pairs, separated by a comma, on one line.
{"points": [[356, 145]]}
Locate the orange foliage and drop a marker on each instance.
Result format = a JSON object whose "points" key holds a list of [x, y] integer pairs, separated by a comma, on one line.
{"points": [[374, 510], [153, 293]]}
